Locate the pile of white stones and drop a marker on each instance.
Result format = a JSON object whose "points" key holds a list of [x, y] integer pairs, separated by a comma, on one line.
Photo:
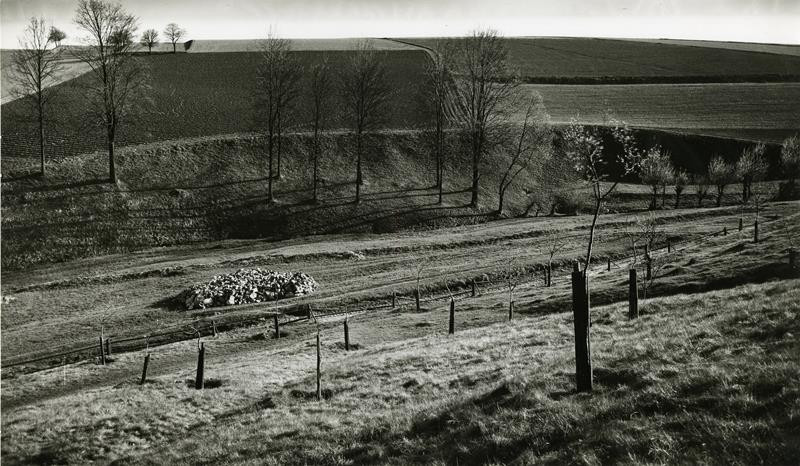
{"points": [[247, 286]]}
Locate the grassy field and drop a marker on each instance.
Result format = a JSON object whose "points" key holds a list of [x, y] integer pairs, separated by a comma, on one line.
{"points": [[758, 112], [71, 68], [226, 46], [783, 49], [706, 377], [586, 60]]}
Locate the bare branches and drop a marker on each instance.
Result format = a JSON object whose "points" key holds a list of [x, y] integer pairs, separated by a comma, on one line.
{"points": [[321, 91], [174, 33], [34, 66], [483, 85], [721, 174], [149, 39]]}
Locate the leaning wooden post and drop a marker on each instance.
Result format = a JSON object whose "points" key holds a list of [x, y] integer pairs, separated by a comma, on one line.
{"points": [[580, 308], [633, 296], [755, 232], [452, 328], [199, 381], [416, 298], [277, 326], [346, 335], [319, 368], [473, 288], [102, 351], [144, 368]]}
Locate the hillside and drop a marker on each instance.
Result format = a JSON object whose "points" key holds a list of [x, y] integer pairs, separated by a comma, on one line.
{"points": [[701, 376]]}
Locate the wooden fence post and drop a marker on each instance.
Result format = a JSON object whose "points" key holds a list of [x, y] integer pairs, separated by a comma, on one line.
{"points": [[669, 246], [755, 232], [741, 224], [214, 326], [108, 347], [510, 310], [199, 381], [346, 335], [452, 328], [633, 295], [473, 288], [319, 368], [583, 357], [609, 264], [724, 231], [576, 266], [144, 368], [102, 351], [277, 326], [791, 259], [416, 298], [394, 299], [549, 275]]}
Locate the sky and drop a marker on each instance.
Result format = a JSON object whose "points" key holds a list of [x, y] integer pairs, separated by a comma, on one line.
{"points": [[771, 21]]}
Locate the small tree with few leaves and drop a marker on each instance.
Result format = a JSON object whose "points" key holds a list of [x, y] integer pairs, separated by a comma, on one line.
{"points": [[33, 68], [643, 237], [720, 174], [679, 180], [655, 171], [149, 39], [702, 187], [751, 167], [56, 35], [583, 147], [174, 33], [790, 162], [555, 243]]}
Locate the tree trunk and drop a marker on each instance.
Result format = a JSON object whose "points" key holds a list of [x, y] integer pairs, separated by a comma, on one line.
{"points": [[316, 163], [476, 148], [278, 143], [270, 199], [677, 198], [41, 138], [112, 172], [654, 201], [173, 47], [358, 167], [719, 196], [501, 198]]}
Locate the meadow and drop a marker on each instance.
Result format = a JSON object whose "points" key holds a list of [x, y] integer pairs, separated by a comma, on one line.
{"points": [[701, 376]]}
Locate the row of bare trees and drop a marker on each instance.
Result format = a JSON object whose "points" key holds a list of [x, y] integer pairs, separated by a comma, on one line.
{"points": [[172, 32], [118, 79]]}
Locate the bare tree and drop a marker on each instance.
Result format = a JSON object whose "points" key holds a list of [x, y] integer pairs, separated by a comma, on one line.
{"points": [[533, 141], [790, 162], [679, 180], [702, 186], [644, 235], [434, 93], [584, 148], [174, 33], [117, 81], [33, 65], [149, 39], [556, 242], [321, 86], [482, 89], [655, 170], [278, 88], [720, 174], [751, 166], [56, 35], [365, 95]]}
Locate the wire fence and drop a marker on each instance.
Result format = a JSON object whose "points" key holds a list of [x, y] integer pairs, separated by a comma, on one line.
{"points": [[308, 311]]}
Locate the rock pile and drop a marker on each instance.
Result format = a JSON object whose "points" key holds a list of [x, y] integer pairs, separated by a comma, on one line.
{"points": [[247, 286]]}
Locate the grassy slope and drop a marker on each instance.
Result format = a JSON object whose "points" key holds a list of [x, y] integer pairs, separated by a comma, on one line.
{"points": [[699, 378]]}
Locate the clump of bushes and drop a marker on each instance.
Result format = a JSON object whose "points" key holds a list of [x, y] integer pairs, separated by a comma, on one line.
{"points": [[248, 286]]}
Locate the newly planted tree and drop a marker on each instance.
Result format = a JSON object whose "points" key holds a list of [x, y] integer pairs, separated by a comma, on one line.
{"points": [[320, 90], [751, 167], [656, 169], [720, 174], [483, 87], [555, 243], [149, 39], [174, 33], [533, 143], [679, 181], [278, 87], [702, 186], [790, 162], [118, 81], [365, 91], [34, 66]]}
